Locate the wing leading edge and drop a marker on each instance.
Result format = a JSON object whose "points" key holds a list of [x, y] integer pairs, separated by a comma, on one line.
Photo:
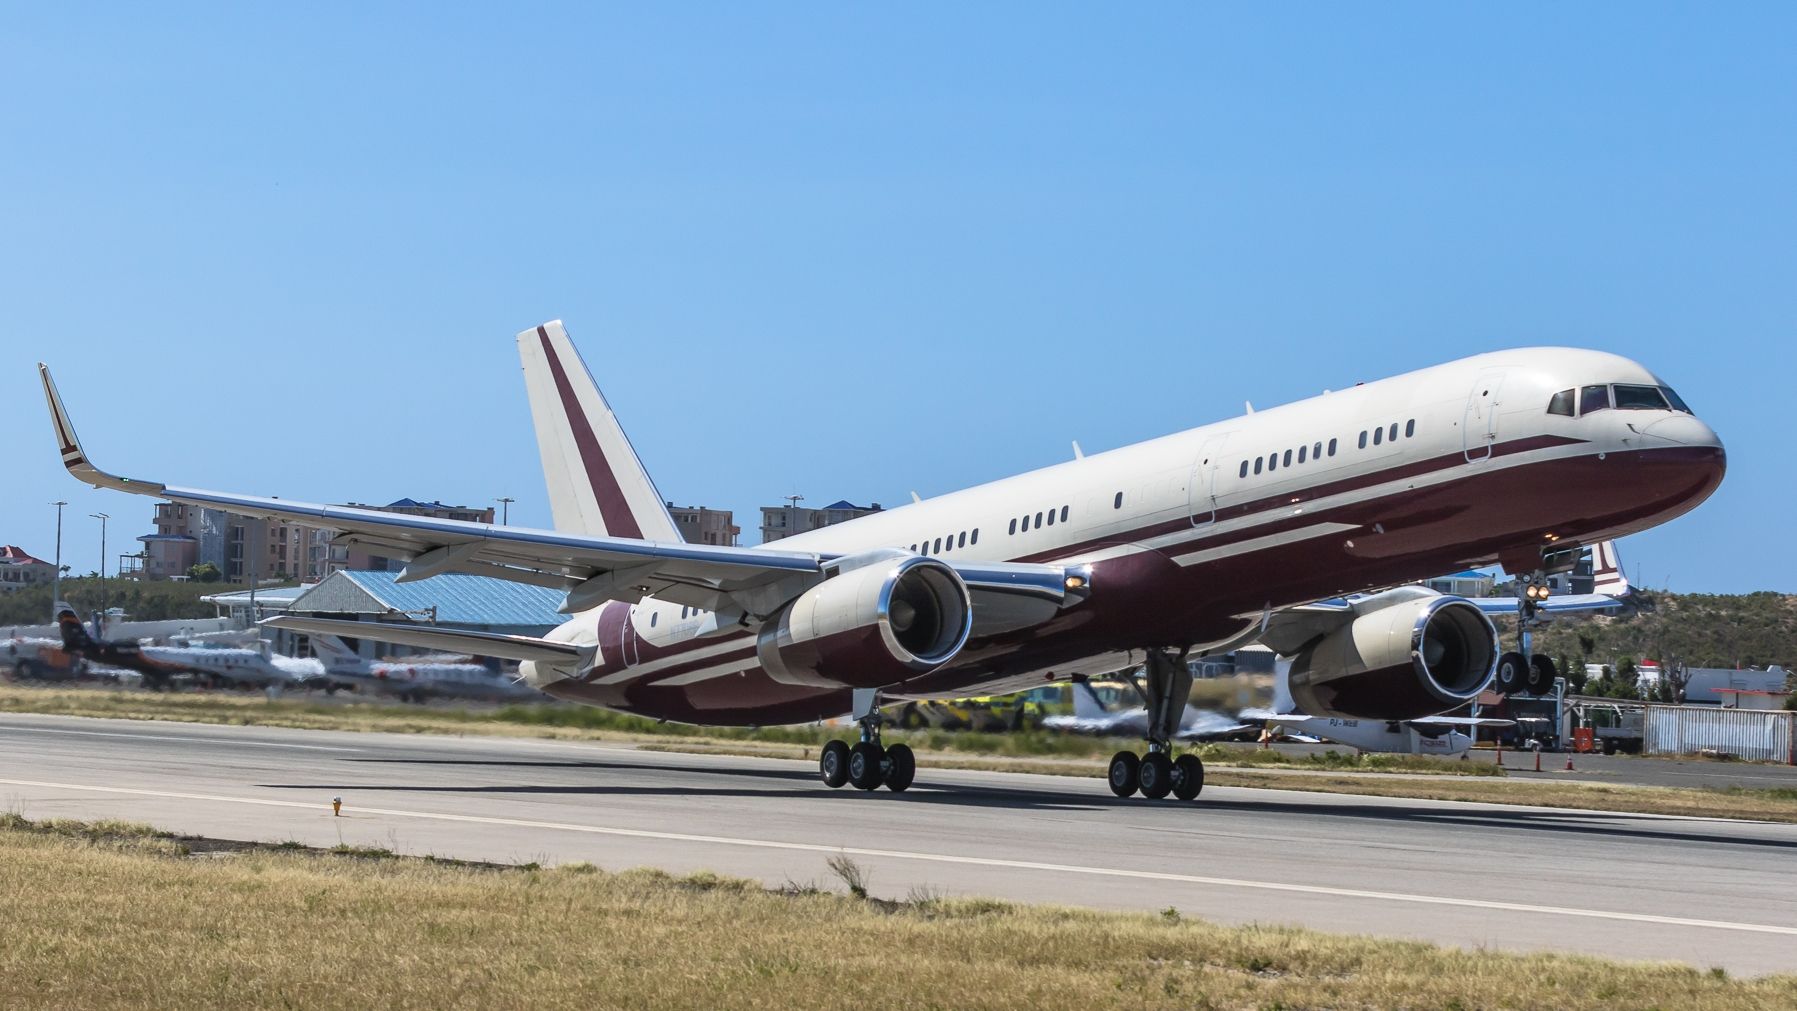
{"points": [[727, 580]]}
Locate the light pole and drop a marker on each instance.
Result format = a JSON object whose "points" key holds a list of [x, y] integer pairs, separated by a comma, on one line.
{"points": [[56, 577], [102, 517], [505, 510]]}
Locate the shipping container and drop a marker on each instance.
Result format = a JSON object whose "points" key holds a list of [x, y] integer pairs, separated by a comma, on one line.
{"points": [[1752, 734]]}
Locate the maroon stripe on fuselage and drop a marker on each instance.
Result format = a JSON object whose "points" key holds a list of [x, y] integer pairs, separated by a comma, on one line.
{"points": [[1297, 496], [613, 508]]}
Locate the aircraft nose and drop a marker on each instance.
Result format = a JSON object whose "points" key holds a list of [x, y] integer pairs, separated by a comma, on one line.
{"points": [[1684, 430]]}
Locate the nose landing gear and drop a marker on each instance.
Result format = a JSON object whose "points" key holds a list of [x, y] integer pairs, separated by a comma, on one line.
{"points": [[867, 765], [1157, 773]]}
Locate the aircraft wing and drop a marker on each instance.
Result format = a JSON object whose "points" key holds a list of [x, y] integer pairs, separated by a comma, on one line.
{"points": [[723, 579], [1427, 721], [506, 647]]}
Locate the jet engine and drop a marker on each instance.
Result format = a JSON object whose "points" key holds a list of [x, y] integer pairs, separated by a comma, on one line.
{"points": [[879, 620], [1401, 659]]}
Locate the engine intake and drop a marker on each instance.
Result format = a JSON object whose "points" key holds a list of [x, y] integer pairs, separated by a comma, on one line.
{"points": [[878, 622], [1415, 657]]}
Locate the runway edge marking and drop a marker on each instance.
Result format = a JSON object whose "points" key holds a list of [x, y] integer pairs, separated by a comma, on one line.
{"points": [[944, 858]]}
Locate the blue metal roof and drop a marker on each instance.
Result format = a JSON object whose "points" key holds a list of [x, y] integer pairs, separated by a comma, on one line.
{"points": [[462, 599]]}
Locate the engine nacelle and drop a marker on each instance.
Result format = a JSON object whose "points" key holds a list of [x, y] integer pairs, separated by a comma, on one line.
{"points": [[1413, 657], [881, 620]]}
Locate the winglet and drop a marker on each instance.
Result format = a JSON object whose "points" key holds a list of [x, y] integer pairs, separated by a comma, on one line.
{"points": [[70, 446]]}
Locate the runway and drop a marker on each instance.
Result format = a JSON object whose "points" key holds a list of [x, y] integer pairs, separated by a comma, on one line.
{"points": [[1707, 892]]}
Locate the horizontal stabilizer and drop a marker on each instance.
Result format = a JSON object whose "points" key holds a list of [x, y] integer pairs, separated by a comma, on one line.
{"points": [[505, 647]]}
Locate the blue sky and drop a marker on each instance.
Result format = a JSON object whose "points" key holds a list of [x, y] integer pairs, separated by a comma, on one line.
{"points": [[850, 251]]}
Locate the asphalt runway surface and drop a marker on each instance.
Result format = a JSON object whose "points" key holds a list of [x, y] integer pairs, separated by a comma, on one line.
{"points": [[1702, 891]]}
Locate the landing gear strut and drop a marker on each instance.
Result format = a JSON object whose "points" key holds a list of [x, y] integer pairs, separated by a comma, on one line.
{"points": [[1157, 773], [867, 765]]}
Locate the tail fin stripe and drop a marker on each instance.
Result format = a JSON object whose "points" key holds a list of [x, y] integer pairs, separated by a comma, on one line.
{"points": [[619, 520]]}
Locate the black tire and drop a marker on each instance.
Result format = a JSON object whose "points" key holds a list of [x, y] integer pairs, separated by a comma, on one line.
{"points": [[1541, 675], [866, 766], [1188, 777], [901, 768], [1512, 673], [1125, 773], [26, 670], [1156, 775], [833, 764], [1609, 746], [910, 718]]}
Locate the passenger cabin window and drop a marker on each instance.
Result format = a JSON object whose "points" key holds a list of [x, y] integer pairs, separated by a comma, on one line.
{"points": [[1257, 462], [938, 547], [1561, 404], [1301, 450], [1410, 428], [1331, 447], [1393, 434], [1013, 532], [1640, 398], [975, 539], [1363, 440], [1117, 503], [1273, 463], [1377, 433], [1038, 519], [1594, 398], [1244, 471], [1051, 517], [1064, 514], [1288, 458]]}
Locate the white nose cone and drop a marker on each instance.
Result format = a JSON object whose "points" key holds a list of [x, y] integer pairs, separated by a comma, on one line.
{"points": [[1682, 430]]}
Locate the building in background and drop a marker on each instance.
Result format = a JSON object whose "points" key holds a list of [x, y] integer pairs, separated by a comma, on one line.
{"points": [[699, 525], [452, 600], [1471, 583], [240, 547], [786, 520], [19, 569]]}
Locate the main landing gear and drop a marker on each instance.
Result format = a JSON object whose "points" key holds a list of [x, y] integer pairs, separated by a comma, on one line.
{"points": [[867, 765], [1157, 773]]}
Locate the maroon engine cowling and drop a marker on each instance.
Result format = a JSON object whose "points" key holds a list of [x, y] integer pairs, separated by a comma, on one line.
{"points": [[883, 621], [1418, 656]]}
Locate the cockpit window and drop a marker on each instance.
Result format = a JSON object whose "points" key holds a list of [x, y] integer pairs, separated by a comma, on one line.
{"points": [[1673, 398], [1640, 398], [1594, 398], [1561, 404]]}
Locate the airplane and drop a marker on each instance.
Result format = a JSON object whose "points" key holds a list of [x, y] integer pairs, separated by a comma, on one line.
{"points": [[159, 665], [1092, 716], [415, 681], [1444, 736], [1186, 545]]}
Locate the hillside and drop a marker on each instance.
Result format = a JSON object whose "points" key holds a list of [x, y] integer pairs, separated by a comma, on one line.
{"points": [[1697, 629]]}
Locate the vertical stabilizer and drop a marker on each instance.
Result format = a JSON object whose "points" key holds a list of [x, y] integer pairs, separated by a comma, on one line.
{"points": [[1606, 571], [597, 485]]}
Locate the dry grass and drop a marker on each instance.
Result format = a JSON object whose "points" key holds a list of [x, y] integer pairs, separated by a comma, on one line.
{"points": [[112, 917]]}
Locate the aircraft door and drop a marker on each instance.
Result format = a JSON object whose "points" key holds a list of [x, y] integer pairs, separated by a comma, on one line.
{"points": [[627, 636], [1480, 427], [1201, 488]]}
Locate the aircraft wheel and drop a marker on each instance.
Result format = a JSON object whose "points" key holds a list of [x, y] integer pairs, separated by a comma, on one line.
{"points": [[1125, 774], [1541, 675], [26, 670], [1156, 775], [833, 764], [866, 766], [1188, 777], [1512, 672], [901, 768]]}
